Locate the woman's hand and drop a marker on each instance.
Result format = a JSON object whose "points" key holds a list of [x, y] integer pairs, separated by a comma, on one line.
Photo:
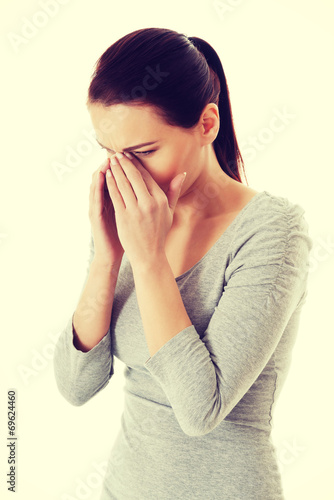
{"points": [[108, 248], [143, 212]]}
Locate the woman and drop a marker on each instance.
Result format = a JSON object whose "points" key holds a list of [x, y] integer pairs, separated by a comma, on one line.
{"points": [[195, 283]]}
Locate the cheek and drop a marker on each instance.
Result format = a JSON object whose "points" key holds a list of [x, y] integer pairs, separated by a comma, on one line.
{"points": [[163, 170]]}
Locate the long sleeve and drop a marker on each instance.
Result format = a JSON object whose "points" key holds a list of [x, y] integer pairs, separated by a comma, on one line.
{"points": [[264, 284], [80, 375]]}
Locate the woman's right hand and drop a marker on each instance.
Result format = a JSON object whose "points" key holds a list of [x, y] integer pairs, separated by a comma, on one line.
{"points": [[108, 248]]}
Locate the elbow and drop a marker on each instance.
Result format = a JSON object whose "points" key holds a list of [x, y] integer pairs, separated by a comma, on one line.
{"points": [[200, 425], [197, 430], [194, 431], [74, 400], [69, 392], [72, 396], [77, 394], [74, 383], [77, 397]]}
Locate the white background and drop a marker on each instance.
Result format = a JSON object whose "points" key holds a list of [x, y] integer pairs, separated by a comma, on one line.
{"points": [[276, 55]]}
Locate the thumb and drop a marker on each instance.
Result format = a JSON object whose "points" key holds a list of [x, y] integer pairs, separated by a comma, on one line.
{"points": [[174, 190]]}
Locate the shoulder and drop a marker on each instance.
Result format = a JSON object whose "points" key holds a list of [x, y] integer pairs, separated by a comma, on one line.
{"points": [[270, 244], [271, 223], [271, 212]]}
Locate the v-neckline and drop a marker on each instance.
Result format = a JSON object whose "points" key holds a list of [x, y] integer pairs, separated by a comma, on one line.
{"points": [[223, 235]]}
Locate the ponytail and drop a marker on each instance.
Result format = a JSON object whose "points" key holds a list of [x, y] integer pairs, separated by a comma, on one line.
{"points": [[225, 145]]}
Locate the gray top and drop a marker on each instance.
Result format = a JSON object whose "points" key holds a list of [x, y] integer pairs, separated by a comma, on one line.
{"points": [[197, 417]]}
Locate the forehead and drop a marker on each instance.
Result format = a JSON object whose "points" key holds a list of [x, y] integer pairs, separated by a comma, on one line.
{"points": [[125, 121]]}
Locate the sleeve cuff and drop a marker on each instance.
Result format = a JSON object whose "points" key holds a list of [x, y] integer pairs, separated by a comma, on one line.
{"points": [[172, 354], [104, 344]]}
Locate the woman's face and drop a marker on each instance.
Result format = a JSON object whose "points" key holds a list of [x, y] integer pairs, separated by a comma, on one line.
{"points": [[173, 149]]}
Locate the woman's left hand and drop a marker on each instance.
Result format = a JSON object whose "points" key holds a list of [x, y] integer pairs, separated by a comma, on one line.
{"points": [[143, 212]]}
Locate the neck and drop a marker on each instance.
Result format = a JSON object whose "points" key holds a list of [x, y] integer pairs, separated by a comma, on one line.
{"points": [[204, 195]]}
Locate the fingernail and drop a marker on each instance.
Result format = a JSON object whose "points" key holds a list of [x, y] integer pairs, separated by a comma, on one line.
{"points": [[119, 156], [108, 172], [129, 155], [113, 161]]}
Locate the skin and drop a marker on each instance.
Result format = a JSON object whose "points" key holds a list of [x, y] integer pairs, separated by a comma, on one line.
{"points": [[143, 228], [207, 192]]}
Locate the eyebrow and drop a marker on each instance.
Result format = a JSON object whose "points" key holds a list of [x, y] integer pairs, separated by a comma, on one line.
{"points": [[130, 148]]}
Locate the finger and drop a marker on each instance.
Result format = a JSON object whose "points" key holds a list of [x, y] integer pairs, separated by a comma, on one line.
{"points": [[114, 192], [104, 167], [105, 195], [96, 199], [99, 193], [135, 176], [101, 168], [151, 185], [174, 191], [92, 194], [125, 184]]}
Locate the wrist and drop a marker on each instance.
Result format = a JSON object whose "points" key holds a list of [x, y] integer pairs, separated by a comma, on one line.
{"points": [[111, 265], [154, 262]]}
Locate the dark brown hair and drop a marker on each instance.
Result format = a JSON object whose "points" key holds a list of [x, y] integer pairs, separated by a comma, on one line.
{"points": [[187, 75]]}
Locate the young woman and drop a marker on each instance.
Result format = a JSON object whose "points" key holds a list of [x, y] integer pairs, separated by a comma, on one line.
{"points": [[195, 283]]}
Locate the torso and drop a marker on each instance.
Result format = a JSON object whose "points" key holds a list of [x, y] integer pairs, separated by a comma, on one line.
{"points": [[186, 245]]}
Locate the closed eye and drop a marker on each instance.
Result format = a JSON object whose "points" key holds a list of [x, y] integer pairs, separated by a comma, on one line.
{"points": [[145, 153]]}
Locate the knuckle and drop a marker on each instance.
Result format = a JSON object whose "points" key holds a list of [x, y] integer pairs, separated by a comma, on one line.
{"points": [[137, 174], [163, 200], [150, 206]]}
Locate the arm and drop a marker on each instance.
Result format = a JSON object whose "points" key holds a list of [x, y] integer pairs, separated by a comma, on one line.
{"points": [[83, 362], [204, 378], [91, 319], [158, 295]]}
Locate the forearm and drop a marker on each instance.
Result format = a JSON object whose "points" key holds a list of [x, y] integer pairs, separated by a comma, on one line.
{"points": [[92, 316], [160, 303]]}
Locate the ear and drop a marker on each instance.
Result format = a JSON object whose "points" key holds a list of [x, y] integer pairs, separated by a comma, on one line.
{"points": [[209, 123]]}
